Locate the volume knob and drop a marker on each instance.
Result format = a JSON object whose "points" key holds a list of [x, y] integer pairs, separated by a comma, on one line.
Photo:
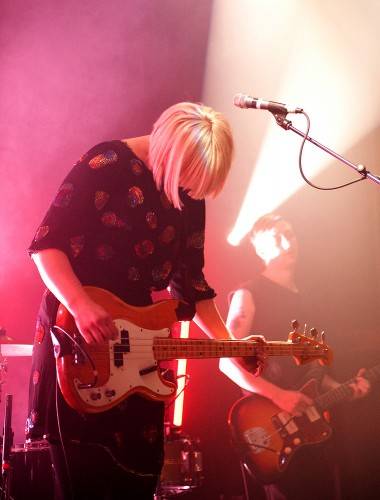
{"points": [[110, 393]]}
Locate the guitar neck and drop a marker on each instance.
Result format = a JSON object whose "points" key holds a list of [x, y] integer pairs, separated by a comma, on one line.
{"points": [[168, 348], [344, 391]]}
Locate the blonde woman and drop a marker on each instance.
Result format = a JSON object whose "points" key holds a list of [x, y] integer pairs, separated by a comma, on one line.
{"points": [[129, 218]]}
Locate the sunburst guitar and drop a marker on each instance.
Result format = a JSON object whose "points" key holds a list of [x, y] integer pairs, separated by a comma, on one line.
{"points": [[96, 377], [267, 438]]}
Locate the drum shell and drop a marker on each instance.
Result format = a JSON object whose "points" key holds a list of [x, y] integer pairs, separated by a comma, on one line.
{"points": [[31, 472], [183, 468]]}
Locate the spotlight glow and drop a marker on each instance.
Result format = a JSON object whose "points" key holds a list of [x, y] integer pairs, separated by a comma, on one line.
{"points": [[297, 52]]}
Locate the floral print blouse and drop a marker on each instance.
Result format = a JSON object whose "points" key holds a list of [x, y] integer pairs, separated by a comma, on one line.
{"points": [[121, 233]]}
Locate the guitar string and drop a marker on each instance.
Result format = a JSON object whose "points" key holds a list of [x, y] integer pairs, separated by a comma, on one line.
{"points": [[148, 343], [166, 344], [219, 345], [175, 344], [183, 351], [100, 355], [168, 357]]}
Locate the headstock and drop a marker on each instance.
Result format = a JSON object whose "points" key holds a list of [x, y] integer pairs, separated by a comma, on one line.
{"points": [[310, 346]]}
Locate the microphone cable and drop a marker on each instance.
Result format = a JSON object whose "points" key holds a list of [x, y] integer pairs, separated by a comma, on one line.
{"points": [[300, 166]]}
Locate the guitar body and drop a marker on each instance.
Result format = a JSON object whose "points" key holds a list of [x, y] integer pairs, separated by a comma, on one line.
{"points": [[94, 378], [267, 438]]}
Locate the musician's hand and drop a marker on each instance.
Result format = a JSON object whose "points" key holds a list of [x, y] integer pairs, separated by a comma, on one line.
{"points": [[253, 364], [93, 322], [293, 402], [361, 386]]}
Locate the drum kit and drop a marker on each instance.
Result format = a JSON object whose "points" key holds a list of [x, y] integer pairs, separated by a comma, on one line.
{"points": [[26, 470], [183, 469], [17, 465]]}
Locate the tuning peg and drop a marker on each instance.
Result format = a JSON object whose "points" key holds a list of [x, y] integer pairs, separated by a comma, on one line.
{"points": [[313, 332], [323, 337], [305, 329]]}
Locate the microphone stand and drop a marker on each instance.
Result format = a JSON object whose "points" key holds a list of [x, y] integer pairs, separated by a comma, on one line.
{"points": [[286, 124]]}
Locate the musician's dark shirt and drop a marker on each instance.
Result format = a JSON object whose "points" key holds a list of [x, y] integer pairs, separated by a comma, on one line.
{"points": [[275, 308]]}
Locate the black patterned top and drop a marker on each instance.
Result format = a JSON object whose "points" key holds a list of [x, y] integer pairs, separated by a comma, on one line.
{"points": [[120, 233]]}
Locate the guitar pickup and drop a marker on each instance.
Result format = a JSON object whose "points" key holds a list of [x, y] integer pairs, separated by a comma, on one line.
{"points": [[285, 423], [119, 348], [312, 414]]}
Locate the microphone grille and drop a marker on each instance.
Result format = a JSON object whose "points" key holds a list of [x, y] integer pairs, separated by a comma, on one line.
{"points": [[240, 101]]}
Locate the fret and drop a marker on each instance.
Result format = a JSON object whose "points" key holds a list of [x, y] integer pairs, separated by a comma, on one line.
{"points": [[344, 391], [105, 374], [167, 348]]}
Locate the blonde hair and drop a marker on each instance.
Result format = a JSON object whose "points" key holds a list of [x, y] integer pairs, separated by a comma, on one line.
{"points": [[190, 147]]}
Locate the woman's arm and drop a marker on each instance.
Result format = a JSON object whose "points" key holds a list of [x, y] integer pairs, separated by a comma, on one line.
{"points": [[208, 318], [93, 322]]}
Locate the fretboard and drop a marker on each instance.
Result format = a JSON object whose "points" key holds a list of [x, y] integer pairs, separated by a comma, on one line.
{"points": [[344, 391], [168, 348]]}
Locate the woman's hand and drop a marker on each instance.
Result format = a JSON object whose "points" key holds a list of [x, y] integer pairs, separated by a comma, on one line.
{"points": [[93, 321]]}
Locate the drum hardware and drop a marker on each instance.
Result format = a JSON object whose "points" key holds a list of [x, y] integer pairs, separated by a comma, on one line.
{"points": [[32, 475], [6, 467], [7, 348], [183, 469]]}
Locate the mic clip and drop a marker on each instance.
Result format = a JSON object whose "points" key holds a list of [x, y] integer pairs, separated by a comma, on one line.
{"points": [[281, 119]]}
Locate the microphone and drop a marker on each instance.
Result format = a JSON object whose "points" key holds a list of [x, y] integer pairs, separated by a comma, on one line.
{"points": [[246, 101]]}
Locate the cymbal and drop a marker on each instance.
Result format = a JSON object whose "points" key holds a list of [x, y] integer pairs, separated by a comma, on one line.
{"points": [[16, 349]]}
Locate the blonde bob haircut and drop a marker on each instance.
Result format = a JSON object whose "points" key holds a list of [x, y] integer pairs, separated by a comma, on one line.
{"points": [[190, 147]]}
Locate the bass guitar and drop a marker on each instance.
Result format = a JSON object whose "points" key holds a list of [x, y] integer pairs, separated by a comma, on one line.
{"points": [[95, 377], [267, 438]]}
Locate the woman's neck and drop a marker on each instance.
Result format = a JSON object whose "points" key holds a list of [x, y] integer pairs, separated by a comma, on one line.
{"points": [[140, 147]]}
